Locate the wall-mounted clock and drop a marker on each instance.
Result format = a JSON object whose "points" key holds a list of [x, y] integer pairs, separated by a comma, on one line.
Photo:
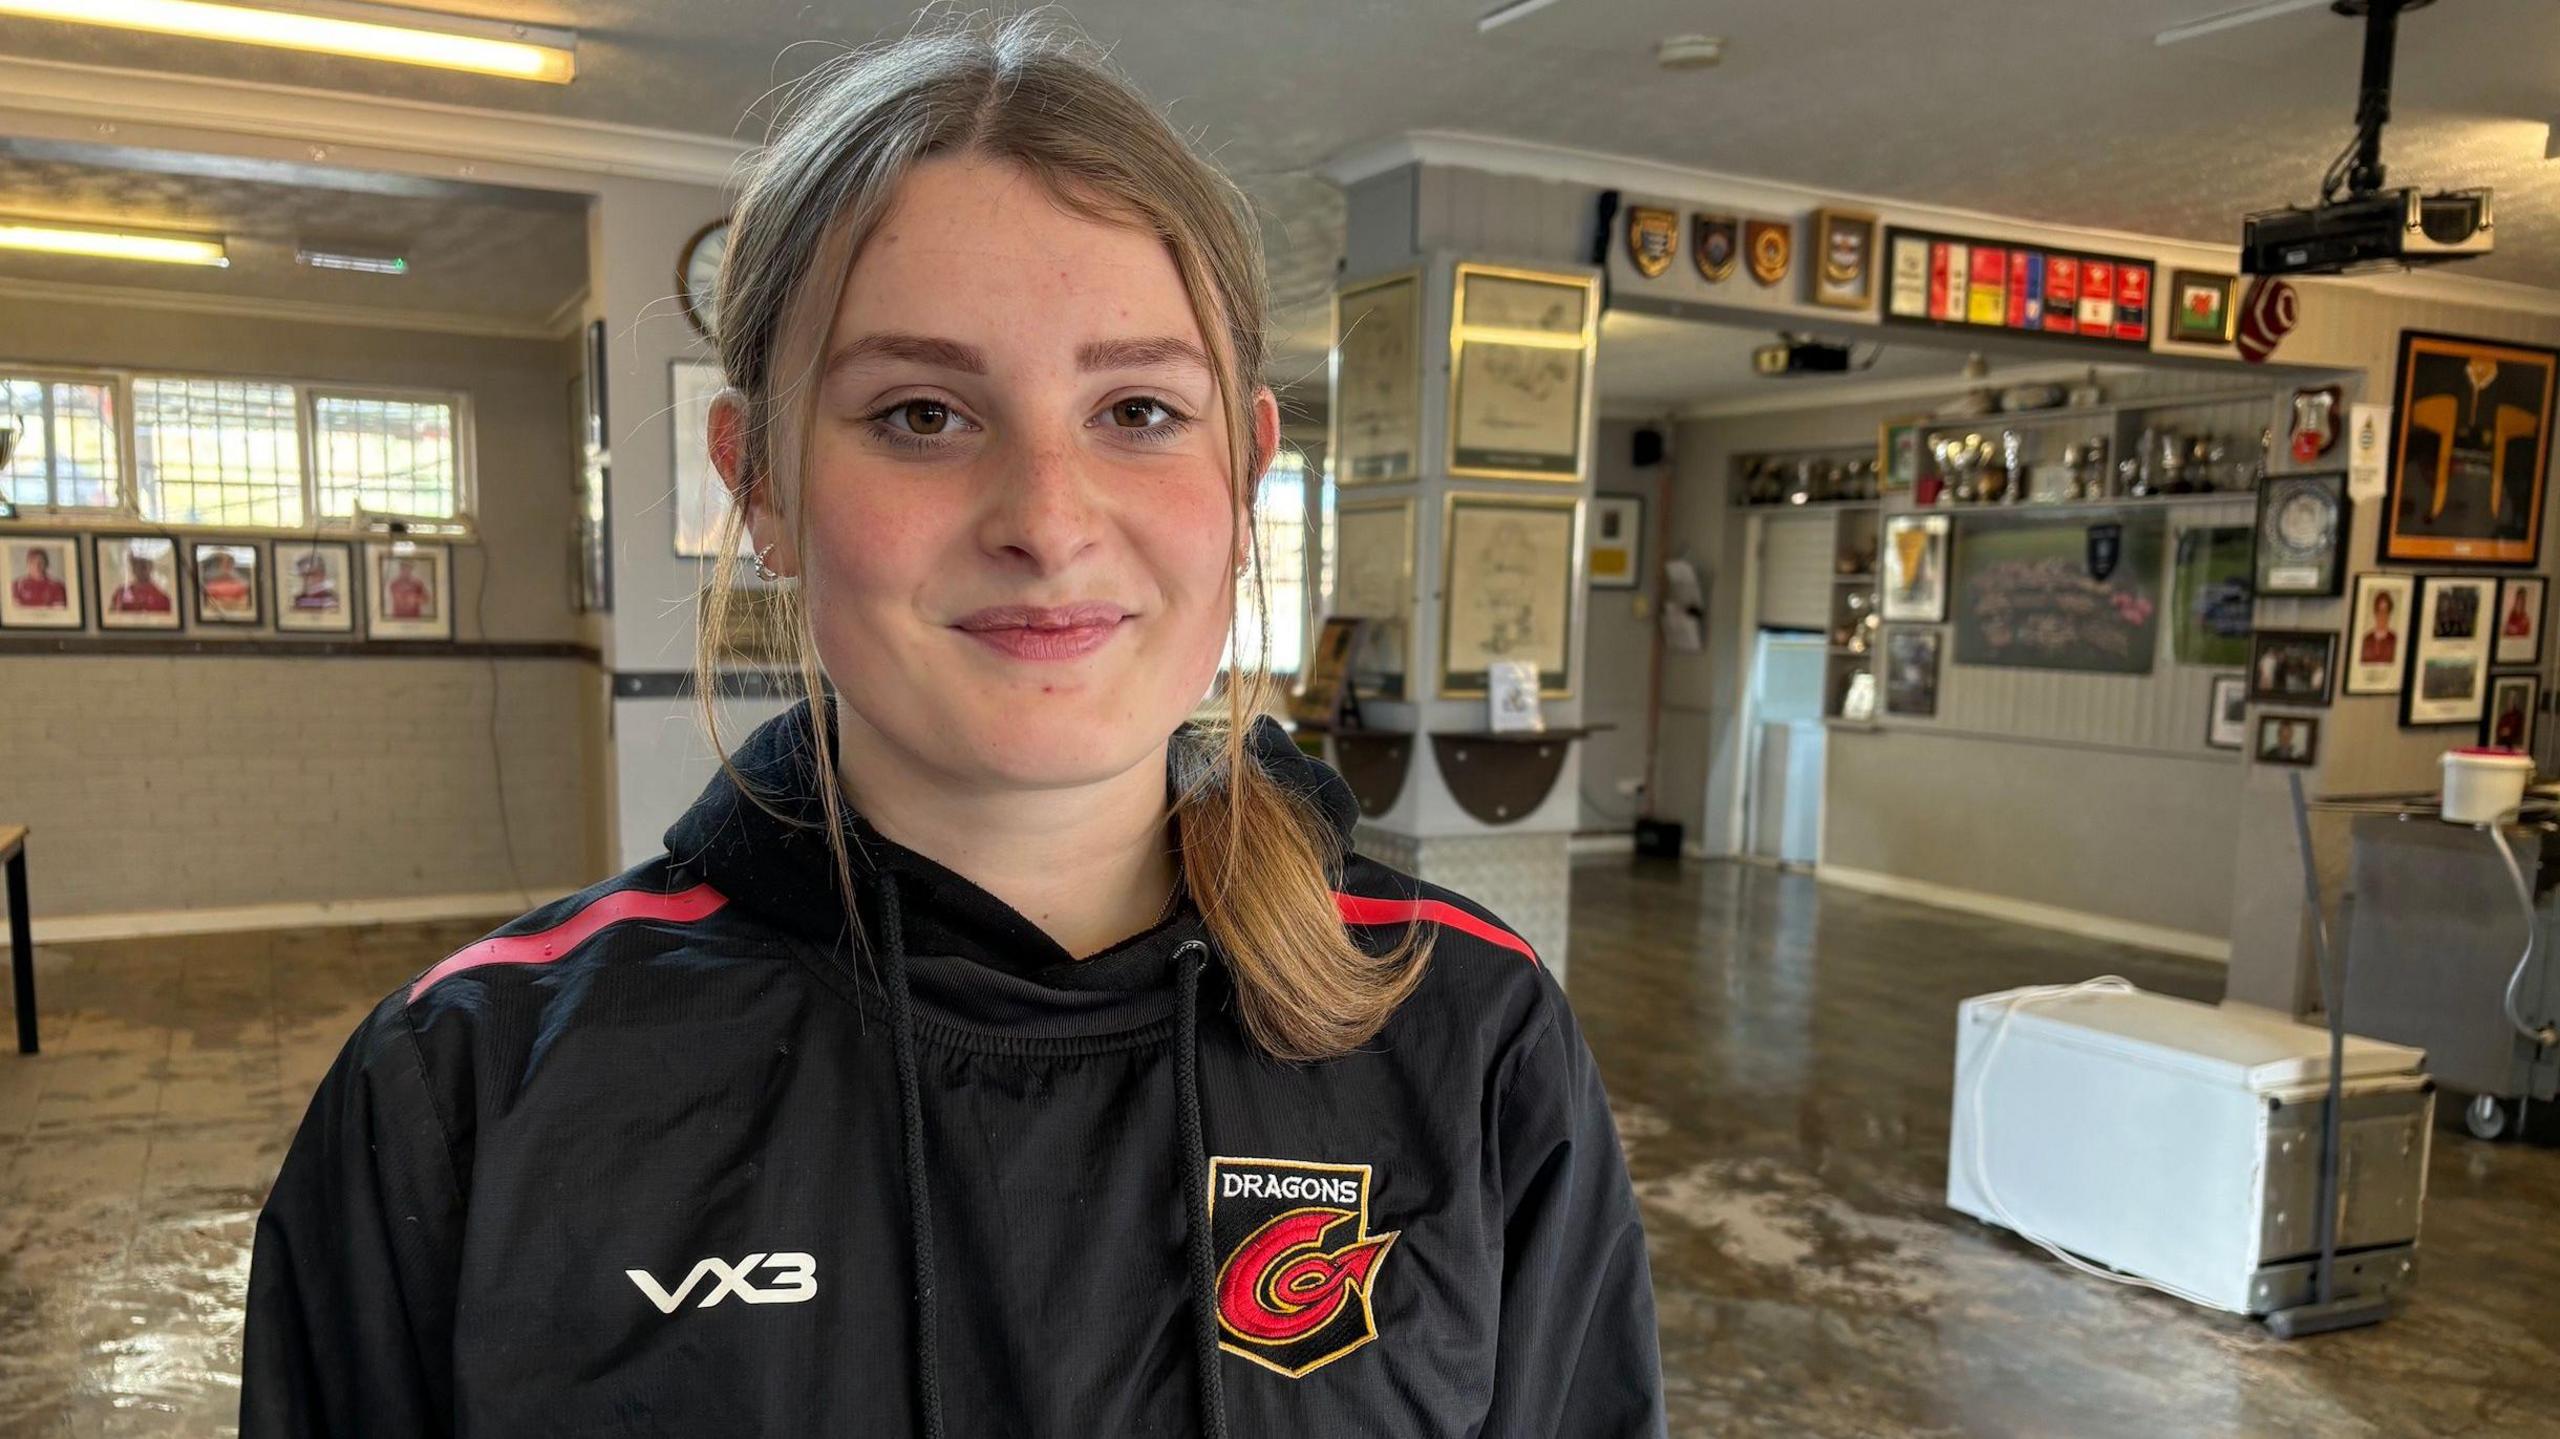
{"points": [[698, 272]]}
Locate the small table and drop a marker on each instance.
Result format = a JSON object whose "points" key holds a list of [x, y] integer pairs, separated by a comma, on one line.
{"points": [[22, 944]]}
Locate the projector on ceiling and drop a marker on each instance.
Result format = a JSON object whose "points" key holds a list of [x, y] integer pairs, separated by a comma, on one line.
{"points": [[1799, 356], [2358, 225], [2386, 230]]}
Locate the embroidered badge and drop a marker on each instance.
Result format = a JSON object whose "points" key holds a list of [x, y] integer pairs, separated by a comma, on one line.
{"points": [[1300, 1263]]}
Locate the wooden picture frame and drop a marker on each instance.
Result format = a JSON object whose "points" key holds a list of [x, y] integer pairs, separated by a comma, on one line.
{"points": [[1374, 420], [51, 595], [2449, 651], [1521, 351], [2292, 667], [238, 569], [2214, 325], [2290, 740], [2516, 729], [2377, 647], [2462, 406], [1509, 574], [125, 601]]}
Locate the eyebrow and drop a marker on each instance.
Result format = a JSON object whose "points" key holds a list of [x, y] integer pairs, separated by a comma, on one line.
{"points": [[941, 354]]}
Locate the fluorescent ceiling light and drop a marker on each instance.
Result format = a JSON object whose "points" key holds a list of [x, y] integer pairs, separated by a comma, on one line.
{"points": [[166, 249], [366, 32], [1502, 15], [2232, 19], [370, 264]]}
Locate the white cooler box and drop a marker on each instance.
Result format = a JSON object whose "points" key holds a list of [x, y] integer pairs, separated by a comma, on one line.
{"points": [[2181, 1142]]}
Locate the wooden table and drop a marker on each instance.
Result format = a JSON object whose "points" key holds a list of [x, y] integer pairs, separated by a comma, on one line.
{"points": [[22, 944]]}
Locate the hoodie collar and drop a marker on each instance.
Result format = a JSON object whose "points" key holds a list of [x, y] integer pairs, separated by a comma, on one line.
{"points": [[779, 865]]}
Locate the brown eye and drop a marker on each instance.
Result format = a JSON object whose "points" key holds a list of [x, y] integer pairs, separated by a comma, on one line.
{"points": [[1136, 414], [925, 417]]}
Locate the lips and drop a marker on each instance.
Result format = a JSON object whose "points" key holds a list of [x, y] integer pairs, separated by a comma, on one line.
{"points": [[1045, 632]]}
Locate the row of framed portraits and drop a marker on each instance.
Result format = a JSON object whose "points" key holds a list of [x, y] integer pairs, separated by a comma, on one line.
{"points": [[152, 582], [2433, 640], [1521, 345], [1507, 577]]}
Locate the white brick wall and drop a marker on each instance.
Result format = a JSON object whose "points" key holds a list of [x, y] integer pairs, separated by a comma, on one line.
{"points": [[172, 782]]}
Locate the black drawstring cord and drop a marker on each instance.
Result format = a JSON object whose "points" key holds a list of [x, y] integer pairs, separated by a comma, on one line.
{"points": [[902, 1030], [1191, 959]]}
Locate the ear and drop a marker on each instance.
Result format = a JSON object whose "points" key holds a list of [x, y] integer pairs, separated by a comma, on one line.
{"points": [[1266, 444], [765, 524]]}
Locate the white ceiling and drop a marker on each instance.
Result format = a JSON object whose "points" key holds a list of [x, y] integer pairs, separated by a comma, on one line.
{"points": [[2065, 115], [477, 253]]}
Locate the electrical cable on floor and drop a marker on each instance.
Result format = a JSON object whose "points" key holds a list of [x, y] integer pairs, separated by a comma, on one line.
{"points": [[2546, 1036], [2045, 994]]}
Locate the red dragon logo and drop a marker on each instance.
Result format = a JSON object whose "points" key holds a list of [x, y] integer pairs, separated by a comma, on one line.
{"points": [[1295, 1291]]}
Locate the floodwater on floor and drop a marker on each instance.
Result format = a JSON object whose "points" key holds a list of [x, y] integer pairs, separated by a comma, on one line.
{"points": [[1780, 1057]]}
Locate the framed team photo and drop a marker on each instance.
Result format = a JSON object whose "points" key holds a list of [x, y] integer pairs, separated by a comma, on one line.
{"points": [[315, 591], [2448, 681], [227, 583], [138, 581], [40, 584], [408, 591]]}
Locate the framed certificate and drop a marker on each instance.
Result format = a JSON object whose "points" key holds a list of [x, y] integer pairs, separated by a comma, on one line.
{"points": [[2302, 526], [1373, 579], [1377, 381], [1507, 567], [1520, 351]]}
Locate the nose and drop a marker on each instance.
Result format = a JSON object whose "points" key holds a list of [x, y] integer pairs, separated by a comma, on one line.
{"points": [[1042, 510]]}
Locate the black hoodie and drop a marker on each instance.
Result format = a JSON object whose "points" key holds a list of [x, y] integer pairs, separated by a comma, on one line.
{"points": [[665, 1157]]}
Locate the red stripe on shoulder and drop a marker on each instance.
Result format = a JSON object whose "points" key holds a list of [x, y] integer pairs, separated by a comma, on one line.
{"points": [[1361, 909], [544, 946]]}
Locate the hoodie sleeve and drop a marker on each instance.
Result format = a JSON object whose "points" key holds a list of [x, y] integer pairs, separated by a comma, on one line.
{"points": [[351, 1282], [1577, 1356]]}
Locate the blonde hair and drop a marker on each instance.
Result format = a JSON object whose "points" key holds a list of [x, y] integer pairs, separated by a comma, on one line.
{"points": [[1256, 855]]}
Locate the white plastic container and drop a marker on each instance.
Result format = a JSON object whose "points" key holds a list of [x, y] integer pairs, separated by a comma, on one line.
{"points": [[2482, 784]]}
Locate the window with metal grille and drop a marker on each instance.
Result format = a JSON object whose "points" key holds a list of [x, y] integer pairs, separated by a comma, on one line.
{"points": [[65, 453], [385, 454], [217, 452]]}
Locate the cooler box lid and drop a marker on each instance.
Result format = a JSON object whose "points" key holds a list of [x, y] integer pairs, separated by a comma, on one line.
{"points": [[2240, 1045]]}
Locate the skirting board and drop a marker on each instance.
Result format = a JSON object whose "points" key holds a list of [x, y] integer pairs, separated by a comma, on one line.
{"points": [[497, 906], [2214, 948]]}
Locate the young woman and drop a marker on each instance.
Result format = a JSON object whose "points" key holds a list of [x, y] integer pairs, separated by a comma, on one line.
{"points": [[997, 1048]]}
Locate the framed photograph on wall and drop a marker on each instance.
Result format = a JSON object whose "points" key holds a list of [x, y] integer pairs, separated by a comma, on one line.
{"points": [[1377, 381], [2470, 448], [2520, 611], [1506, 566], [41, 574], [1911, 672], [2377, 624], [2226, 720], [315, 586], [2448, 681], [1915, 569], [1520, 373], [229, 583], [1373, 578], [2288, 739], [1614, 559], [137, 580], [408, 591], [2291, 667], [2514, 703]]}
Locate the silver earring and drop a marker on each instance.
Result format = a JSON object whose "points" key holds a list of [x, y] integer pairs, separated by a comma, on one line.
{"points": [[764, 571]]}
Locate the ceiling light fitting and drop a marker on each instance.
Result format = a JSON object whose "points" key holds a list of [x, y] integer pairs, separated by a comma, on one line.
{"points": [[329, 27], [46, 237]]}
